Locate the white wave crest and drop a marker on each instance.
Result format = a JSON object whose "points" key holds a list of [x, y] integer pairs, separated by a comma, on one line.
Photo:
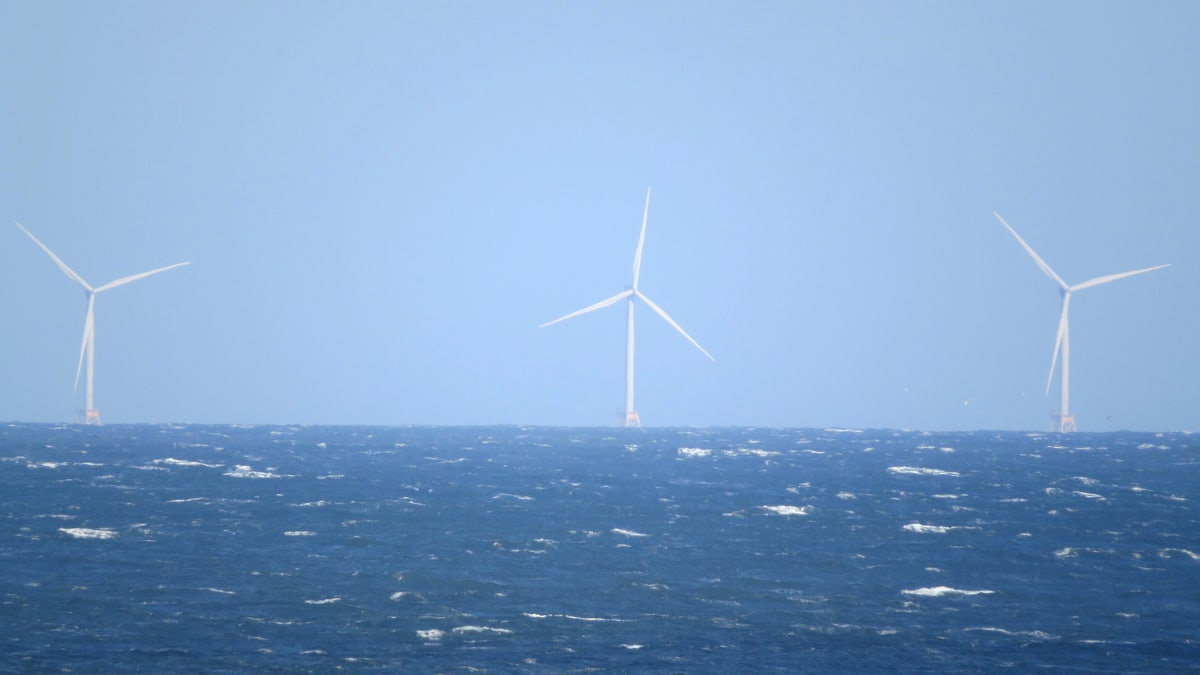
{"points": [[243, 471], [694, 452], [323, 601], [505, 495], [786, 510], [928, 529], [171, 461], [299, 533], [534, 615], [89, 532], [921, 471], [431, 634], [628, 533], [1170, 553], [482, 629], [940, 591]]}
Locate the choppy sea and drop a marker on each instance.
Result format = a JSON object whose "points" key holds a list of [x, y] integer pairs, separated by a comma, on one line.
{"points": [[232, 549]]}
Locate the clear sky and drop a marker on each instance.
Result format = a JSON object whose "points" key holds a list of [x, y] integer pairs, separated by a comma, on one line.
{"points": [[382, 201]]}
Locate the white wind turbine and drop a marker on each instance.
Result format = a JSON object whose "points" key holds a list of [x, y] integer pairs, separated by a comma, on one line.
{"points": [[631, 416], [88, 348], [1064, 421]]}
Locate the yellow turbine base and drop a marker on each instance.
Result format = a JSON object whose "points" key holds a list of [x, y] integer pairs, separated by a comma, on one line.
{"points": [[91, 416], [632, 419]]}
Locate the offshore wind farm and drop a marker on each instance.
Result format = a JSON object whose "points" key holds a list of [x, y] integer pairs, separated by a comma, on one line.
{"points": [[341, 442], [389, 200]]}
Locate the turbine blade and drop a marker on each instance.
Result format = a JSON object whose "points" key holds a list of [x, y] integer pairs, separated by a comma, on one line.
{"points": [[637, 257], [61, 265], [1113, 277], [88, 327], [1062, 330], [590, 308], [1037, 259], [671, 321], [134, 277]]}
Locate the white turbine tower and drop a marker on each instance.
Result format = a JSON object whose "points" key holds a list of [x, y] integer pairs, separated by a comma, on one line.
{"points": [[631, 416], [1064, 420], [88, 348]]}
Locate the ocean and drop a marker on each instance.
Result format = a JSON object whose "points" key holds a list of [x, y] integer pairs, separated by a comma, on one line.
{"points": [[317, 549]]}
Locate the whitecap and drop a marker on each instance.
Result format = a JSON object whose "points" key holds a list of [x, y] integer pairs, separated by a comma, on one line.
{"points": [[921, 471], [482, 629], [628, 533], [940, 591], [572, 617], [398, 595], [694, 452], [89, 533], [220, 591], [299, 533], [504, 495], [323, 601], [786, 510], [847, 495], [1167, 553], [1089, 495], [431, 634], [243, 471], [633, 647], [186, 462], [927, 529]]}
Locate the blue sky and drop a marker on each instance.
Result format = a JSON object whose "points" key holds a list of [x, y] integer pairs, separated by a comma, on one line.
{"points": [[382, 201]]}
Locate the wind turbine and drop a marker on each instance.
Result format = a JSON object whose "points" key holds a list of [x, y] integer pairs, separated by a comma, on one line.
{"points": [[1064, 420], [88, 348], [631, 416]]}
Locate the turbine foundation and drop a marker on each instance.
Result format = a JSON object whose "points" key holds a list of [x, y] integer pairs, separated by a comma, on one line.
{"points": [[1062, 423], [632, 419], [91, 416]]}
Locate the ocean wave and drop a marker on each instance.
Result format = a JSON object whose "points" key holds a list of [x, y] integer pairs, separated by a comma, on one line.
{"points": [[628, 533], [299, 533], [171, 461], [921, 471], [941, 591], [431, 634], [243, 471], [89, 532], [323, 601], [1170, 553], [1035, 634], [572, 617], [694, 452], [929, 529], [786, 510], [505, 495], [481, 629]]}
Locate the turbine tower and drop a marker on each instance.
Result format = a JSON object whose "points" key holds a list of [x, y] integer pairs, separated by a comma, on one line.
{"points": [[1064, 420], [88, 348], [631, 416]]}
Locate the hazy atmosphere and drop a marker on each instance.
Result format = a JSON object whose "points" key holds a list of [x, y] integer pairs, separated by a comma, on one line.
{"points": [[382, 201]]}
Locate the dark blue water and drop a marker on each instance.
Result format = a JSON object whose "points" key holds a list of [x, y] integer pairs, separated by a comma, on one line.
{"points": [[498, 549]]}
